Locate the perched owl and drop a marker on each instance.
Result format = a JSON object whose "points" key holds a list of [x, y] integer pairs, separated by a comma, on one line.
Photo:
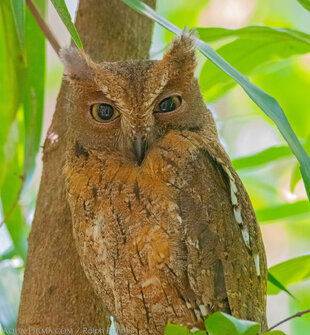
{"points": [[162, 223]]}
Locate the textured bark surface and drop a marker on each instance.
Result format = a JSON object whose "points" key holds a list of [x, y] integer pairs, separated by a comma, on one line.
{"points": [[56, 293]]}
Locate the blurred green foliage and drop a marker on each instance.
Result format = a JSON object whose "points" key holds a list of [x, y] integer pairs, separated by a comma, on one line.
{"points": [[275, 57], [222, 324]]}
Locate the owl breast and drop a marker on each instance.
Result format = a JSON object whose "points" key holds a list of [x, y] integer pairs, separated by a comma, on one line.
{"points": [[152, 238], [129, 232]]}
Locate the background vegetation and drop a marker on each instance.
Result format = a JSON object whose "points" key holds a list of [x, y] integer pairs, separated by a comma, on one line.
{"points": [[275, 56]]}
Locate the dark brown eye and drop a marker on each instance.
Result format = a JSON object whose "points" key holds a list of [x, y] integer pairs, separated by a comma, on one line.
{"points": [[169, 104], [103, 112]]}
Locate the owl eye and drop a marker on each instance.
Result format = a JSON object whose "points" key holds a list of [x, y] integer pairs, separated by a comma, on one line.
{"points": [[169, 104], [103, 112]]}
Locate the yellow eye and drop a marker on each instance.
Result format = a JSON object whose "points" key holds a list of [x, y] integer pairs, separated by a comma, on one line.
{"points": [[103, 112], [169, 104]]}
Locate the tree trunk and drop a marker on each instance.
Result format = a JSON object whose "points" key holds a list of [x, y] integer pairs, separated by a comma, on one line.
{"points": [[56, 294]]}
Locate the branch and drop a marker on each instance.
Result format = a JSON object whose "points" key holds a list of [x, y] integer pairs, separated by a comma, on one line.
{"points": [[44, 27], [299, 314]]}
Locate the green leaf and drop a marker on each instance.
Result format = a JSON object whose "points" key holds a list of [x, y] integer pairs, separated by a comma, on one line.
{"points": [[273, 280], [262, 157], [296, 176], [292, 271], [18, 8], [172, 329], [274, 332], [305, 4], [64, 14], [284, 211], [34, 91], [305, 173], [263, 100], [11, 187], [221, 323], [253, 46], [8, 254], [12, 72]]}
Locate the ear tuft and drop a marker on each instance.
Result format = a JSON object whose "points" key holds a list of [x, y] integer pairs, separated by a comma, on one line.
{"points": [[77, 64], [181, 56]]}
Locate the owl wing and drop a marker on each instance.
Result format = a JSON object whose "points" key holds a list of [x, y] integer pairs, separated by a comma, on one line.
{"points": [[226, 263]]}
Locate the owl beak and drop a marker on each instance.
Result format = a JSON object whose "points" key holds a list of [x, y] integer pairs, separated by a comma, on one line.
{"points": [[139, 147]]}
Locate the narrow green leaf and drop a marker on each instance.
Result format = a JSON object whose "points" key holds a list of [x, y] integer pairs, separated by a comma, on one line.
{"points": [[262, 157], [252, 47], [34, 91], [284, 211], [274, 332], [221, 323], [295, 178], [305, 4], [8, 254], [292, 271], [18, 7], [260, 32], [64, 14], [11, 187], [273, 280], [263, 100], [12, 72], [305, 173]]}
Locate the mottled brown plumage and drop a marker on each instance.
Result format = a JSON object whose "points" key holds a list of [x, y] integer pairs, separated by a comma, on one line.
{"points": [[169, 235]]}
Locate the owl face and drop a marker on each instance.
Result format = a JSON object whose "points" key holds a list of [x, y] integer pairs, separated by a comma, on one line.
{"points": [[129, 106]]}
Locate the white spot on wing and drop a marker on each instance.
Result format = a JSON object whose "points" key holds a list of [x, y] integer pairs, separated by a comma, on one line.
{"points": [[246, 237], [228, 172], [256, 260], [203, 310], [237, 213], [234, 199], [236, 207], [233, 185], [197, 313]]}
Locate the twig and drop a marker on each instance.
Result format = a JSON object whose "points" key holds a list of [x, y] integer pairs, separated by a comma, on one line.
{"points": [[9, 212], [299, 314], [44, 27]]}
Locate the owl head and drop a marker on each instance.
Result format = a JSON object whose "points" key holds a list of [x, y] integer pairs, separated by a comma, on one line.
{"points": [[129, 106]]}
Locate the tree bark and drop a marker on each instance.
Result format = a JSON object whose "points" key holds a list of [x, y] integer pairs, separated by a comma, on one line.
{"points": [[56, 294]]}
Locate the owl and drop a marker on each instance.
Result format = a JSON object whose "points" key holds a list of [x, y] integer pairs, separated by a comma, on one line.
{"points": [[163, 226]]}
